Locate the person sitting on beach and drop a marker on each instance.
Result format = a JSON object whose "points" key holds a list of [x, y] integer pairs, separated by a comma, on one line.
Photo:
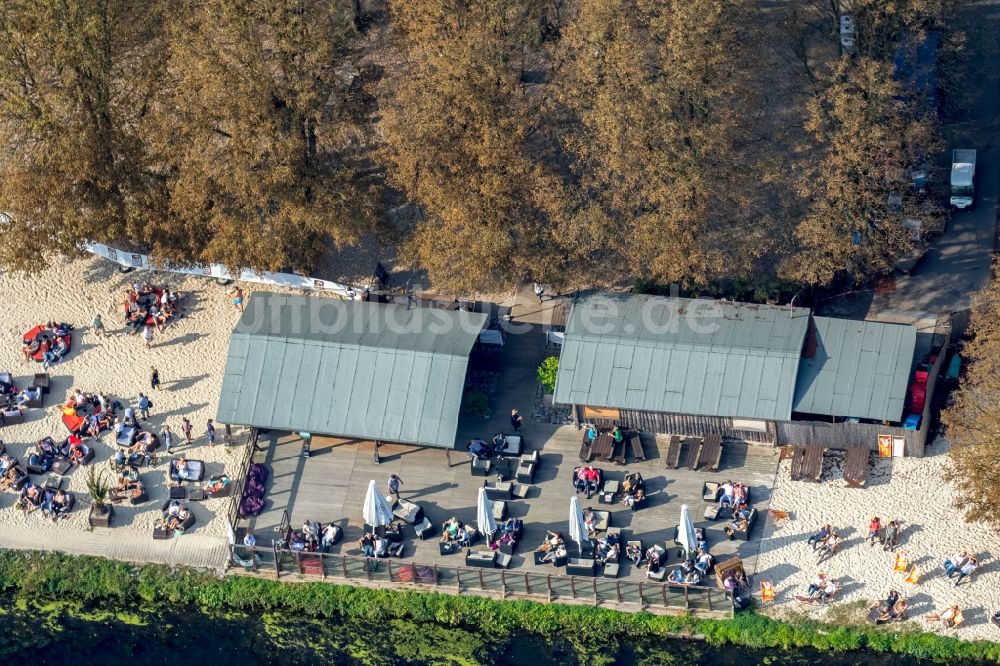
{"points": [[829, 590], [955, 562], [966, 569], [47, 447], [59, 505], [40, 460], [176, 521], [887, 609], [817, 584], [10, 479], [60, 349], [873, 529], [6, 462], [127, 487], [78, 451], [30, 498], [890, 536], [829, 547], [555, 553], [947, 618], [182, 470], [449, 531], [818, 539], [633, 551]]}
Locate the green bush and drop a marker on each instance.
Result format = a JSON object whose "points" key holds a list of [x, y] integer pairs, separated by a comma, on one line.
{"points": [[54, 576], [476, 403], [547, 373]]}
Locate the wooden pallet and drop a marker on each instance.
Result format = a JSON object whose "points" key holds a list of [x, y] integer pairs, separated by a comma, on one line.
{"points": [[693, 452], [710, 454], [674, 452]]}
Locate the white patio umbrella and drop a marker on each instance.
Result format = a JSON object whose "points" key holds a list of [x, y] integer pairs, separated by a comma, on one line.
{"points": [[686, 532], [577, 526], [376, 511], [484, 515]]}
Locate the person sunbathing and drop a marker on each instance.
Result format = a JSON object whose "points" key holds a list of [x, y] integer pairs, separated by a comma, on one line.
{"points": [[11, 478], [829, 547], [947, 618], [820, 537], [552, 540]]}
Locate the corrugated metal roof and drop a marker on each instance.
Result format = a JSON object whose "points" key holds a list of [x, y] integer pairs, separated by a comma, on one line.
{"points": [[348, 368], [680, 355], [860, 369]]}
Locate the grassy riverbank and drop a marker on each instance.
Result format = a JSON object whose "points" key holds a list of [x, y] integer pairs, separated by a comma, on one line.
{"points": [[89, 580]]}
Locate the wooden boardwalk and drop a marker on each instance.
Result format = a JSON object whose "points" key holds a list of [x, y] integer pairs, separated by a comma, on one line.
{"points": [[330, 486]]}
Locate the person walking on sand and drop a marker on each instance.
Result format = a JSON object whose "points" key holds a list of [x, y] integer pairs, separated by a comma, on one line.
{"points": [[210, 432], [237, 295], [168, 438], [154, 378], [539, 290], [144, 403], [516, 420], [98, 325], [147, 335], [186, 429]]}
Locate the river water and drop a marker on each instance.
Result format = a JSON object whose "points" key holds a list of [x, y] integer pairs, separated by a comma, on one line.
{"points": [[78, 636]]}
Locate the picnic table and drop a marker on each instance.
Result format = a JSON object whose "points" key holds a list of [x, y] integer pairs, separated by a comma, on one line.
{"points": [[856, 466]]}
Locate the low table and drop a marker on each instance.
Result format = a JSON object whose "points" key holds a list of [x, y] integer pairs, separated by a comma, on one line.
{"points": [[408, 512]]}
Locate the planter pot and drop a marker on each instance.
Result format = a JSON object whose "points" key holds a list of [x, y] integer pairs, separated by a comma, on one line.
{"points": [[100, 519]]}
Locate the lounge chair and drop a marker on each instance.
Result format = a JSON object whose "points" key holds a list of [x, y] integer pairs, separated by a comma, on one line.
{"points": [[196, 470]]}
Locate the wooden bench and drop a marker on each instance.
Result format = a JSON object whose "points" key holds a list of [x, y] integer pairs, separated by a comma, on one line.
{"points": [[635, 447], [674, 452], [798, 455], [812, 464], [618, 452], [602, 446], [693, 452], [856, 466], [711, 453]]}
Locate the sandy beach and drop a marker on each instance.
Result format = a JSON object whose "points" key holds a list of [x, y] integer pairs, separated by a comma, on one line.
{"points": [[190, 355], [908, 489]]}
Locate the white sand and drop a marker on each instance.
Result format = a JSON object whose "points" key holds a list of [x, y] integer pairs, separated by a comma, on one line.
{"points": [[908, 489], [190, 356]]}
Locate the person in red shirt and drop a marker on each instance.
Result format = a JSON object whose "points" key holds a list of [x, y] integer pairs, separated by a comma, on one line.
{"points": [[873, 527]]}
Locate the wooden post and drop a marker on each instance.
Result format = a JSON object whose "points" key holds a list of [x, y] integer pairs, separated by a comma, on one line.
{"points": [[343, 564], [322, 565], [277, 569], [435, 575], [595, 590], [549, 578], [388, 561], [709, 598], [572, 585], [368, 569], [458, 578], [618, 590], [663, 591], [527, 584], [503, 584], [687, 601], [482, 585], [642, 599]]}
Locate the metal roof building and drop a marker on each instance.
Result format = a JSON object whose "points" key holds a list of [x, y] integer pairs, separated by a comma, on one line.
{"points": [[348, 368], [857, 369], [678, 355]]}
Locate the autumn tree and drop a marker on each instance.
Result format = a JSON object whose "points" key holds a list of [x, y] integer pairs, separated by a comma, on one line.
{"points": [[972, 420], [460, 127], [659, 129], [76, 82], [868, 135], [255, 137]]}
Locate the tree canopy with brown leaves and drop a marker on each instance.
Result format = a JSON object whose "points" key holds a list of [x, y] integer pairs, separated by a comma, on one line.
{"points": [[76, 83], [972, 420]]}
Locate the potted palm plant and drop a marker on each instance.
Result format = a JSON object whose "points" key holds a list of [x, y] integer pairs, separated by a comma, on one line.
{"points": [[100, 509]]}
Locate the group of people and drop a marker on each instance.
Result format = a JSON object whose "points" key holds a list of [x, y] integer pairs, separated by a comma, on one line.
{"points": [[587, 480], [887, 536], [46, 452], [54, 504], [633, 490], [128, 486], [889, 610], [176, 516], [509, 534], [145, 308], [454, 531], [825, 541], [960, 564], [52, 347], [822, 588]]}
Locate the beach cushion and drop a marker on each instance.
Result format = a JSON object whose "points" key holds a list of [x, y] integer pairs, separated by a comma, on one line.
{"points": [[127, 436]]}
